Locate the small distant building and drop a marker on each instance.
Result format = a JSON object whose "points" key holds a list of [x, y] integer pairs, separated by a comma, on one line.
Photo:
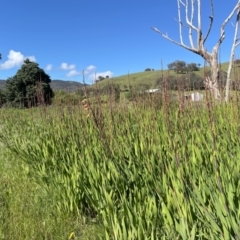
{"points": [[195, 97], [155, 90]]}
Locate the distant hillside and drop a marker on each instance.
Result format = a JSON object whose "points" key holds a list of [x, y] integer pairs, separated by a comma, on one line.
{"points": [[68, 86], [148, 78], [134, 79]]}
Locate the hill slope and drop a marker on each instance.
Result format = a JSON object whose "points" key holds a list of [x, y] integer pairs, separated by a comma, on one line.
{"points": [[68, 86], [149, 77], [145, 78]]}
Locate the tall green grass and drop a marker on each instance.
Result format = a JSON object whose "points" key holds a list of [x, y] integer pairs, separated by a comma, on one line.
{"points": [[28, 208], [139, 170]]}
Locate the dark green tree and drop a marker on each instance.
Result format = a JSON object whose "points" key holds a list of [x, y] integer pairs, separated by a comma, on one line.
{"points": [[2, 97], [192, 67], [100, 78], [29, 87], [177, 66], [182, 67], [171, 66]]}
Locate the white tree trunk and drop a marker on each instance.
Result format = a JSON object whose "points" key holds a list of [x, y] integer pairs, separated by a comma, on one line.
{"points": [[214, 75], [234, 45], [211, 82]]}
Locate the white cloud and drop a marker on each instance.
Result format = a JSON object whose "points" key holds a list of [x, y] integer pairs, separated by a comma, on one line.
{"points": [[92, 76], [89, 69], [15, 59], [73, 73], [65, 66], [49, 67]]}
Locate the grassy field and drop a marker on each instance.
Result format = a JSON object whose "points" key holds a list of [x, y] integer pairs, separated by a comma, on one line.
{"points": [[28, 209], [152, 169]]}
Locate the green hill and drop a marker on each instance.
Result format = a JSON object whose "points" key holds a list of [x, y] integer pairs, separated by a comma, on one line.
{"points": [[149, 77], [68, 86]]}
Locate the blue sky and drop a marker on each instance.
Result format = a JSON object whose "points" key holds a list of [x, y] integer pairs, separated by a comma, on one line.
{"points": [[101, 37]]}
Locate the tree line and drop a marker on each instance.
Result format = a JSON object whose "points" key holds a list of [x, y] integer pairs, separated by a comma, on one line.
{"points": [[183, 67]]}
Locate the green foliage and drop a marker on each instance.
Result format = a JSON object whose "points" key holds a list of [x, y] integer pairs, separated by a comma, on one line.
{"points": [[190, 81], [80, 92], [177, 66], [100, 78], [2, 97], [192, 67], [183, 67], [64, 98], [112, 91], [29, 87], [142, 172], [195, 82], [27, 210]]}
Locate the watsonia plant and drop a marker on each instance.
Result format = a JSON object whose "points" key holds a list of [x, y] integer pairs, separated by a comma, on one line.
{"points": [[145, 172]]}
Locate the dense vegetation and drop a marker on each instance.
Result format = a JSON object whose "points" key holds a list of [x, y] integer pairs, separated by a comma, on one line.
{"points": [[152, 169], [92, 166], [29, 87], [183, 67], [57, 85]]}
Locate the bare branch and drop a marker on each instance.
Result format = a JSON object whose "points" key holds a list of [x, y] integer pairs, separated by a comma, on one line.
{"points": [[187, 20], [222, 36], [180, 22], [190, 29], [191, 25], [199, 25], [211, 21], [182, 3], [171, 40], [155, 29], [237, 44]]}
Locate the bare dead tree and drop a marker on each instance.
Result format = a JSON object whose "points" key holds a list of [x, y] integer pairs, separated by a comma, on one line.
{"points": [[199, 48]]}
